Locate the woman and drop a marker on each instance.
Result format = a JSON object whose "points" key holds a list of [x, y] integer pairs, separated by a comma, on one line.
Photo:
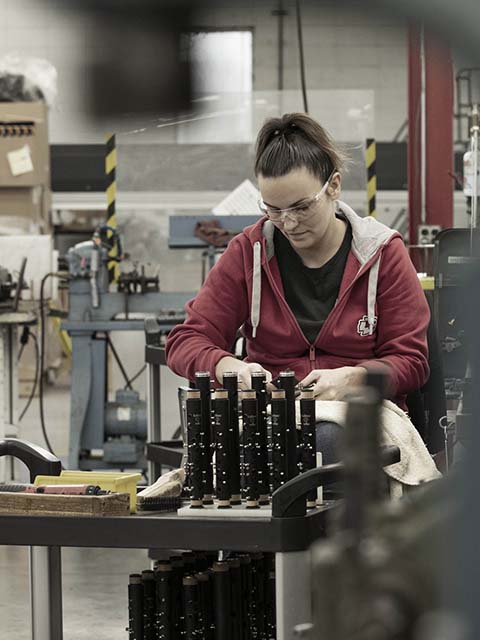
{"points": [[314, 287]]}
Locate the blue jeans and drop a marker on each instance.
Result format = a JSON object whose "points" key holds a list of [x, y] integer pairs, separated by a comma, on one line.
{"points": [[329, 436]]}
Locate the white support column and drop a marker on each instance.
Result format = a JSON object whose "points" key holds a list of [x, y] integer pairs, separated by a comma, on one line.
{"points": [[293, 591], [46, 593]]}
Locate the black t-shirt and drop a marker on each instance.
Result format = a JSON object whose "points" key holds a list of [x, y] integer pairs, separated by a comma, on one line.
{"points": [[311, 293]]}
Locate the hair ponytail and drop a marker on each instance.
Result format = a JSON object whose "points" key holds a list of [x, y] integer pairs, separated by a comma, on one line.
{"points": [[293, 141]]}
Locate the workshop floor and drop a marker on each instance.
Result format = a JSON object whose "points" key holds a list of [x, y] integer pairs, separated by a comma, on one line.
{"points": [[94, 580]]}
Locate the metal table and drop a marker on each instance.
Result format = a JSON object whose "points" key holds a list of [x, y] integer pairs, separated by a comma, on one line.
{"points": [[289, 538]]}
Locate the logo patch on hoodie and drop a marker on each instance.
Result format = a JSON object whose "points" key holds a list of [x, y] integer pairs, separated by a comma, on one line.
{"points": [[363, 326]]}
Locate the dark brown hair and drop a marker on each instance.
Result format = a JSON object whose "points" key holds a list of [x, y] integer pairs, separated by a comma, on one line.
{"points": [[293, 141]]}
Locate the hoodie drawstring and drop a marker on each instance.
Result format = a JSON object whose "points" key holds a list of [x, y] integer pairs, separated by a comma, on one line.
{"points": [[372, 295], [256, 287]]}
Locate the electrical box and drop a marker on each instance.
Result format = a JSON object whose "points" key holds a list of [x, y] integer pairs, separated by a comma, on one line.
{"points": [[427, 233]]}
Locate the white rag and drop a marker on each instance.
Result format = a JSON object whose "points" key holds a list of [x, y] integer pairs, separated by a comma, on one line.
{"points": [[416, 464]]}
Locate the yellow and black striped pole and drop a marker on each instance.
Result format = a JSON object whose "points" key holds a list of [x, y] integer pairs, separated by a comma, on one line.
{"points": [[111, 188], [370, 158]]}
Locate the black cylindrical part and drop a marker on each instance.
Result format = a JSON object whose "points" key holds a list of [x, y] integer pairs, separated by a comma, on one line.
{"points": [[203, 384], [247, 596], [201, 562], [309, 446], [190, 608], [149, 587], [236, 597], [205, 615], [286, 381], [196, 451], [135, 607], [270, 606], [163, 580], [176, 596], [259, 385], [188, 558], [251, 444], [258, 572], [230, 384], [222, 601], [220, 410], [279, 438]]}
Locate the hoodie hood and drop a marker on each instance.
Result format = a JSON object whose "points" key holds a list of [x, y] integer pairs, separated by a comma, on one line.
{"points": [[368, 239]]}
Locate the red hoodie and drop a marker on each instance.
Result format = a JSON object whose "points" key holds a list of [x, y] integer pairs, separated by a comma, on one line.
{"points": [[379, 321]]}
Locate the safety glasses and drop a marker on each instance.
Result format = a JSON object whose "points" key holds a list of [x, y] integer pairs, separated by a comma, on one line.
{"points": [[298, 213]]}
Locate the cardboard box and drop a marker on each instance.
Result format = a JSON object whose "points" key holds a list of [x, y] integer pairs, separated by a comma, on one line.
{"points": [[24, 150], [26, 209]]}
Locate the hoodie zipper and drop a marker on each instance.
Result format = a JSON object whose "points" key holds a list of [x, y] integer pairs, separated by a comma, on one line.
{"points": [[311, 355]]}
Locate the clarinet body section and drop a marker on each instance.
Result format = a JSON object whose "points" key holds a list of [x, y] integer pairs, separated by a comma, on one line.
{"points": [[203, 384], [230, 384], [259, 385], [251, 446], [242, 445], [196, 447], [287, 383], [220, 406], [231, 599], [279, 438], [309, 447]]}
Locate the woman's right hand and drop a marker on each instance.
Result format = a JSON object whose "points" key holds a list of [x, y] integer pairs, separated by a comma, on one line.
{"points": [[243, 369]]}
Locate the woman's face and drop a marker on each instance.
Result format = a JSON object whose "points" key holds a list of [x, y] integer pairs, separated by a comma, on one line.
{"points": [[304, 226]]}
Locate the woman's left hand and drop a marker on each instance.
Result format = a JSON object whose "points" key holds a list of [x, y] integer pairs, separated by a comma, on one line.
{"points": [[334, 384]]}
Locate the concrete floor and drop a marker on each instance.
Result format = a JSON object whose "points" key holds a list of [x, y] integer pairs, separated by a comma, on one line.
{"points": [[94, 580]]}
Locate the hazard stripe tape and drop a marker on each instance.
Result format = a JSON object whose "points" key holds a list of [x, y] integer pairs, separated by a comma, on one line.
{"points": [[111, 193], [370, 160]]}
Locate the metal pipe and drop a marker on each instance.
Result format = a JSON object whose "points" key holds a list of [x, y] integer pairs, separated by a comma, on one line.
{"points": [[301, 55]]}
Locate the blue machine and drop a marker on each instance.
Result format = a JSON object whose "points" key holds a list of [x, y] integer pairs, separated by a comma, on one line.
{"points": [[103, 433]]}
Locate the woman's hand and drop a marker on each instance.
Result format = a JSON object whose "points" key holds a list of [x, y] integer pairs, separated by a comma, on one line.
{"points": [[334, 384], [243, 369]]}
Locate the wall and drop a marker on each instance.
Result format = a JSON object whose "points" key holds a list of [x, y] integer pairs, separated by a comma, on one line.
{"points": [[359, 52]]}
